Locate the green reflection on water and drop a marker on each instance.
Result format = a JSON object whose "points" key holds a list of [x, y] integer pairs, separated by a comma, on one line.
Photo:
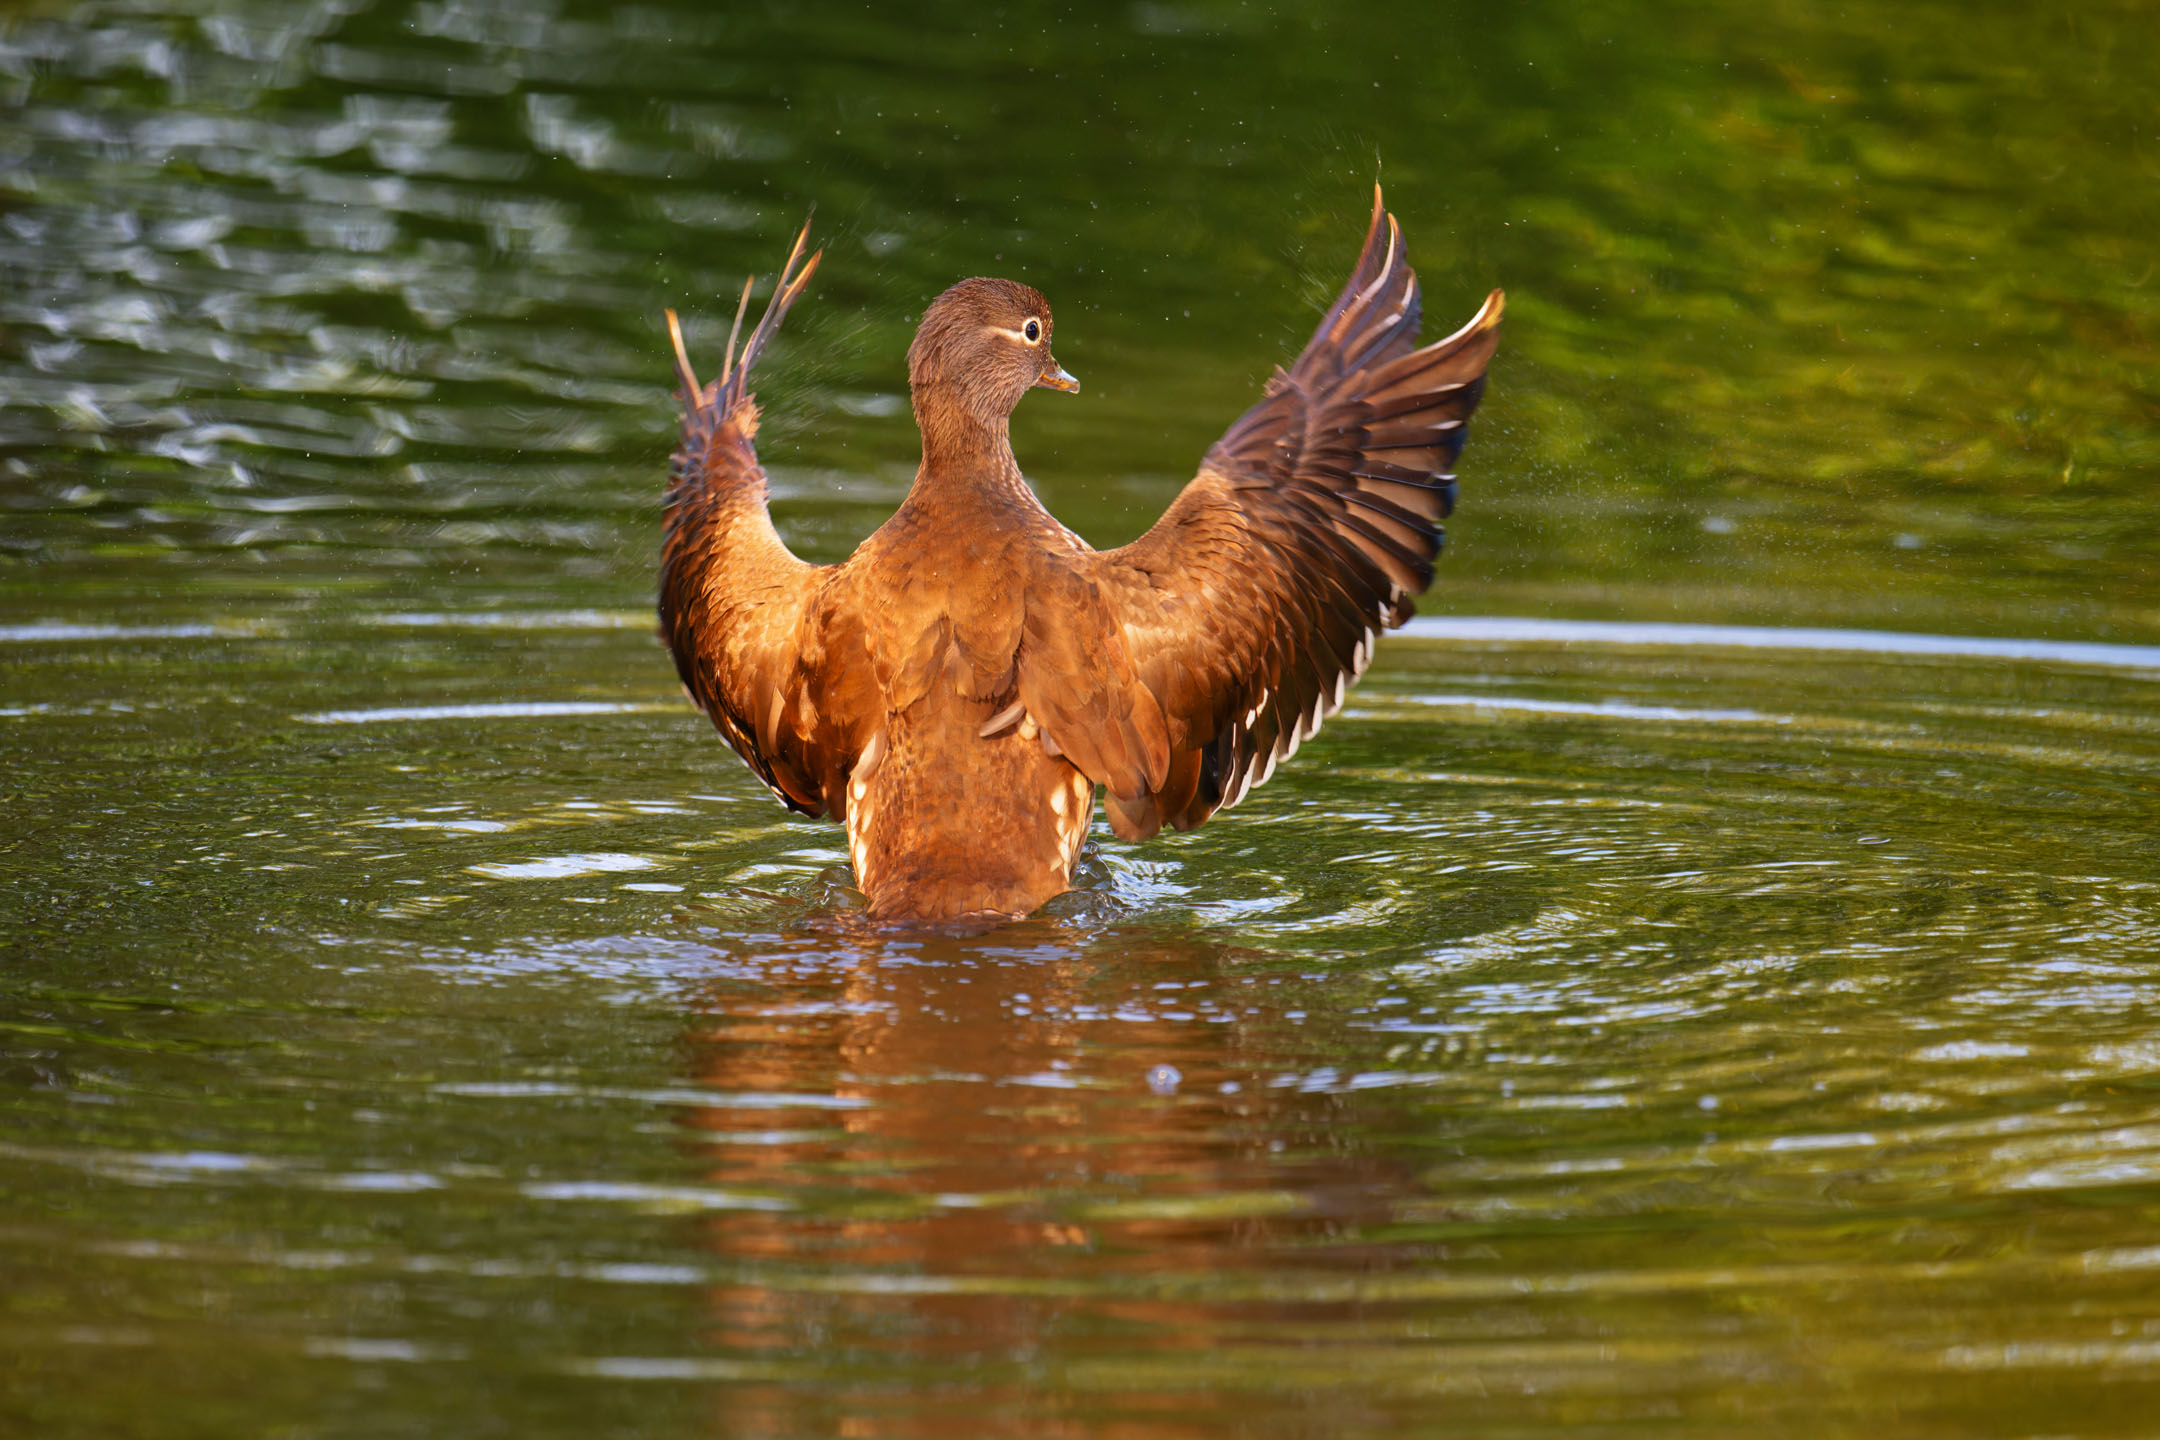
{"points": [[415, 1022], [1812, 317]]}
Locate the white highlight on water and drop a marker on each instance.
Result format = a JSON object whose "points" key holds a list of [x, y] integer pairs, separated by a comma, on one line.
{"points": [[516, 619], [1614, 709], [562, 867], [1506, 629], [66, 630], [522, 710]]}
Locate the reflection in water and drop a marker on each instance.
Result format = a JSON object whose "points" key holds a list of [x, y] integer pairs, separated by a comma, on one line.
{"points": [[1011, 1185], [958, 1209]]}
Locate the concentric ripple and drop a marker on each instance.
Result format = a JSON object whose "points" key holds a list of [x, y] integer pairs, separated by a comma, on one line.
{"points": [[1586, 1029]]}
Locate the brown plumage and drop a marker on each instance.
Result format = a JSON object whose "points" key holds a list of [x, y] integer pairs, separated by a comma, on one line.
{"points": [[955, 690]]}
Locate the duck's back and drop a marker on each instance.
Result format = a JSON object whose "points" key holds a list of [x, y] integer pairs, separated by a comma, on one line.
{"points": [[943, 820]]}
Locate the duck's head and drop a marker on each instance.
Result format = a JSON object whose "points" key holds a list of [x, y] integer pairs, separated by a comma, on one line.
{"points": [[984, 344]]}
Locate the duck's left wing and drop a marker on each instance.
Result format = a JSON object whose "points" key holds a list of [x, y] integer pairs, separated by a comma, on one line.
{"points": [[1254, 603], [748, 623]]}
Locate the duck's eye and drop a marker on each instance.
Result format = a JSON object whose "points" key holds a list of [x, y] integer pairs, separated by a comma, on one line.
{"points": [[1033, 331]]}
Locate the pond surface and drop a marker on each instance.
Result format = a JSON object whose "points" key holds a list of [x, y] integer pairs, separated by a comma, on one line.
{"points": [[414, 1021]]}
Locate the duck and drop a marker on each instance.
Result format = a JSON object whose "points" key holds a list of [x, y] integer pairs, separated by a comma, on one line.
{"points": [[959, 691]]}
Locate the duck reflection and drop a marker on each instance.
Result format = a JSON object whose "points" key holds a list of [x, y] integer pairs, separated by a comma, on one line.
{"points": [[985, 1189]]}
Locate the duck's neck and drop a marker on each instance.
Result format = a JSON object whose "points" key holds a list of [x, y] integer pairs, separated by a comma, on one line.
{"points": [[964, 449]]}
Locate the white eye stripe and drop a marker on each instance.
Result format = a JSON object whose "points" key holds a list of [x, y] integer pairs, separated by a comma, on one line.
{"points": [[1020, 335]]}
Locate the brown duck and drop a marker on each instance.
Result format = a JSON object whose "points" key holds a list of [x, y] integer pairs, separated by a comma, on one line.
{"points": [[955, 691]]}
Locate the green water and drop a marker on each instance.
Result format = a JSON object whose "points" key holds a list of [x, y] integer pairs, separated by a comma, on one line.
{"points": [[413, 1021]]}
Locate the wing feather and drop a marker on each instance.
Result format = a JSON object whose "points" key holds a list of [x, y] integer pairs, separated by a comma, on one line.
{"points": [[750, 626], [1254, 603]]}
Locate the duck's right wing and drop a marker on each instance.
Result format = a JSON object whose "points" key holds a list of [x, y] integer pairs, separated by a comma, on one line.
{"points": [[1254, 602], [744, 618]]}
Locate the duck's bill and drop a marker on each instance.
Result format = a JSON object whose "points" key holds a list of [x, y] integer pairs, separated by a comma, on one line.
{"points": [[1057, 378]]}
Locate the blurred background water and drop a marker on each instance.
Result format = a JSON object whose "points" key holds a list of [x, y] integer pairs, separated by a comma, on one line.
{"points": [[414, 1021]]}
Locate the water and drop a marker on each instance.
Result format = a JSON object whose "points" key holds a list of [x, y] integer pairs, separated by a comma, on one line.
{"points": [[414, 1021]]}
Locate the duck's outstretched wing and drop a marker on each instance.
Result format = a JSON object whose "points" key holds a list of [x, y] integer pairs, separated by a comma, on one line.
{"points": [[740, 614], [1253, 604]]}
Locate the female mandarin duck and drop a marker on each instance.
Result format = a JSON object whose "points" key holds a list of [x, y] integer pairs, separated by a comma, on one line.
{"points": [[955, 690]]}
